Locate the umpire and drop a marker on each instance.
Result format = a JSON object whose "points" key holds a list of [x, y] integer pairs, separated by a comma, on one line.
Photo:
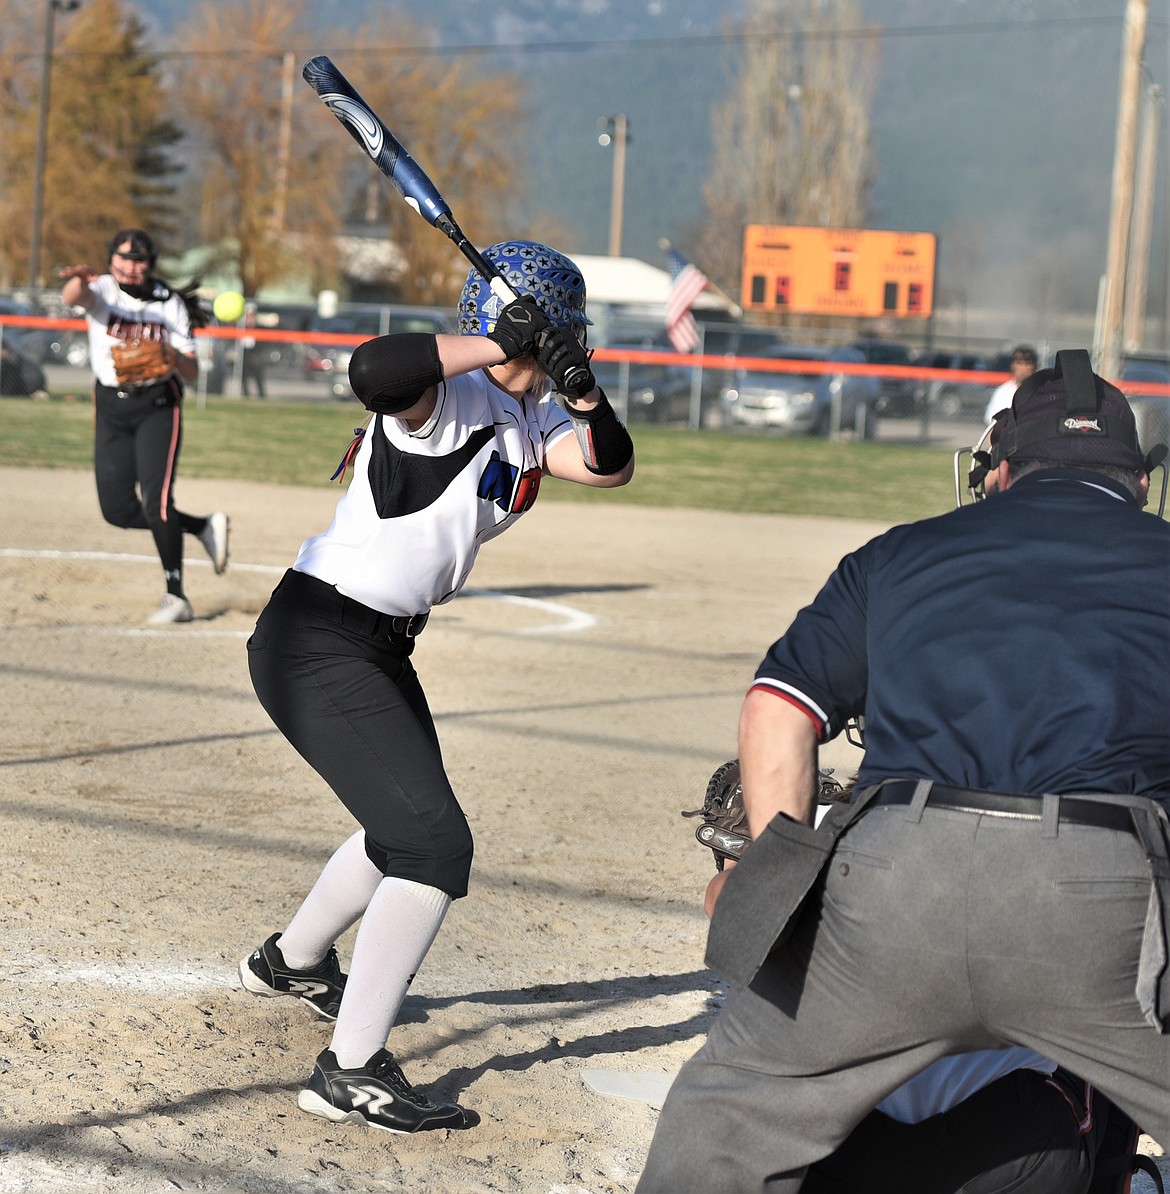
{"points": [[1002, 876]]}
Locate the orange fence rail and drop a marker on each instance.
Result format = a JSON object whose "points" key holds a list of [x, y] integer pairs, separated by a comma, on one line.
{"points": [[635, 356]]}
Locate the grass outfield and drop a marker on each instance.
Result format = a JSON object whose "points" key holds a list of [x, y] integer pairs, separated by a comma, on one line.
{"points": [[300, 443]]}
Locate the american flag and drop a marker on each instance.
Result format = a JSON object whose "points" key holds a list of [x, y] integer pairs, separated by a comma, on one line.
{"points": [[687, 282]]}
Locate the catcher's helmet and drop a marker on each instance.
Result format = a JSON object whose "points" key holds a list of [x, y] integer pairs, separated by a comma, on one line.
{"points": [[529, 268]]}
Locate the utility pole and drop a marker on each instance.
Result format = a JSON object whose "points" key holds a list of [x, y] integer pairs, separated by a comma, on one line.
{"points": [[1121, 204], [283, 143], [616, 129], [1143, 222], [38, 210]]}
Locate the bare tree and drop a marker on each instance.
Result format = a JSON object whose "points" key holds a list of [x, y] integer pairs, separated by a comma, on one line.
{"points": [[1052, 280], [280, 183], [960, 264], [792, 142], [457, 122], [264, 158]]}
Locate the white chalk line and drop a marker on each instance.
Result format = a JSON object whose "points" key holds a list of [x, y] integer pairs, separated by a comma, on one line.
{"points": [[167, 977], [572, 619], [133, 976], [121, 557], [567, 618]]}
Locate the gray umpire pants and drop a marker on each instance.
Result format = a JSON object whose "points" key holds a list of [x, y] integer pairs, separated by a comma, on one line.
{"points": [[931, 932]]}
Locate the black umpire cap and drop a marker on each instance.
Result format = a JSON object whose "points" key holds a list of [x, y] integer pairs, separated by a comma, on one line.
{"points": [[1070, 415]]}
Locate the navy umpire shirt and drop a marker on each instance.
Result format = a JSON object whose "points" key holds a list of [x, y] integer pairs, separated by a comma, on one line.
{"points": [[1021, 644]]}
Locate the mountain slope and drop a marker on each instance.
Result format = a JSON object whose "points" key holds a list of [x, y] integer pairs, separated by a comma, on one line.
{"points": [[993, 120]]}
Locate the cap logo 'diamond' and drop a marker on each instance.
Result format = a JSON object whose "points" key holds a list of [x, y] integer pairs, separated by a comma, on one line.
{"points": [[1083, 425]]}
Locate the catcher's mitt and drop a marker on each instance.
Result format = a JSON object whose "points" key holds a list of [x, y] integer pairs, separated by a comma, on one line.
{"points": [[137, 362], [725, 827]]}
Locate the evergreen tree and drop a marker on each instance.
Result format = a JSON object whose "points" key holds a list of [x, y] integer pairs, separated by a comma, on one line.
{"points": [[109, 158]]}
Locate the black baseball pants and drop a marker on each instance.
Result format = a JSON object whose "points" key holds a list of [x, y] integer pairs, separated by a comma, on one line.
{"points": [[1026, 1133], [136, 457], [351, 703]]}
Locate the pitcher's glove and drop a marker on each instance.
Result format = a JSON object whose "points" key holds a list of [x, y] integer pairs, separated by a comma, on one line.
{"points": [[725, 826], [137, 362]]}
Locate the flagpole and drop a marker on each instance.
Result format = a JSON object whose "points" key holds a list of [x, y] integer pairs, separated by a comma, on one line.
{"points": [[736, 309], [695, 414]]}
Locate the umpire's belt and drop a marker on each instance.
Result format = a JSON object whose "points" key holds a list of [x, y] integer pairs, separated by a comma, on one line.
{"points": [[1072, 811]]}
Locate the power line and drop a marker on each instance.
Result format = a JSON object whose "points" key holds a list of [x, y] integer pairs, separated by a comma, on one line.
{"points": [[883, 33], [594, 45], [980, 28]]}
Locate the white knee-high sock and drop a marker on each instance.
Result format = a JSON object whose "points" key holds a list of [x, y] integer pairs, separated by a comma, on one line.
{"points": [[337, 900], [398, 928]]}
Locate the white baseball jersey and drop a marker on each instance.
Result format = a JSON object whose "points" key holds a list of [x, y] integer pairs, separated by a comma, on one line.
{"points": [[948, 1081], [408, 530], [116, 315]]}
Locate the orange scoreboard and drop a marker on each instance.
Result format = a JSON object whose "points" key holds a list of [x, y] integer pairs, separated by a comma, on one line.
{"points": [[838, 271]]}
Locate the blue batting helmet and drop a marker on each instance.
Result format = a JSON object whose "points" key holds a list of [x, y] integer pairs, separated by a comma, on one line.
{"points": [[529, 268]]}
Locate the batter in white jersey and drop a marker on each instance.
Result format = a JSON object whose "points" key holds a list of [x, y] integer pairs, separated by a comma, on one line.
{"points": [[407, 532], [463, 429]]}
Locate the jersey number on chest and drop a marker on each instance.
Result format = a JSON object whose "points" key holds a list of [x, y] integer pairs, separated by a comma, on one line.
{"points": [[512, 490]]}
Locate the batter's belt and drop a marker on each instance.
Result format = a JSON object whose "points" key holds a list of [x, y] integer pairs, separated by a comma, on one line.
{"points": [[353, 614]]}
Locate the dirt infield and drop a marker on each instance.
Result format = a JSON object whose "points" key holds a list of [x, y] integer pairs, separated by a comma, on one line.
{"points": [[159, 828]]}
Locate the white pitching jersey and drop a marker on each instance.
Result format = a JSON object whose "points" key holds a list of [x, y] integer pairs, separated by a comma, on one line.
{"points": [[116, 315], [407, 532]]}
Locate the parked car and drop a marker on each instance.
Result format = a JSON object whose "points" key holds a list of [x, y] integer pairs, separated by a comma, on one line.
{"points": [[67, 348], [811, 403], [897, 396], [956, 399], [647, 393], [738, 339], [1151, 411], [1142, 369], [284, 317], [731, 340], [33, 343], [331, 361], [218, 355], [21, 376]]}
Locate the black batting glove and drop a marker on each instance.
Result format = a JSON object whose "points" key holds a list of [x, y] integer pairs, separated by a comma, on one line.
{"points": [[520, 322], [564, 358]]}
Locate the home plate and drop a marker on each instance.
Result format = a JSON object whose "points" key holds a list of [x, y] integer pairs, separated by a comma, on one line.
{"points": [[622, 1084]]}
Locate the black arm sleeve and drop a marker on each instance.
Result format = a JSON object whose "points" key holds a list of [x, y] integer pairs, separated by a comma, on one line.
{"points": [[392, 373], [605, 443]]}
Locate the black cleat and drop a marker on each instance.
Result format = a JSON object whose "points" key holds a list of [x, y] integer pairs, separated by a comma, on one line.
{"points": [[265, 972], [376, 1095]]}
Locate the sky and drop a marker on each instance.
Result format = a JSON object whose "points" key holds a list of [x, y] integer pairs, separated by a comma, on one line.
{"points": [[993, 122]]}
